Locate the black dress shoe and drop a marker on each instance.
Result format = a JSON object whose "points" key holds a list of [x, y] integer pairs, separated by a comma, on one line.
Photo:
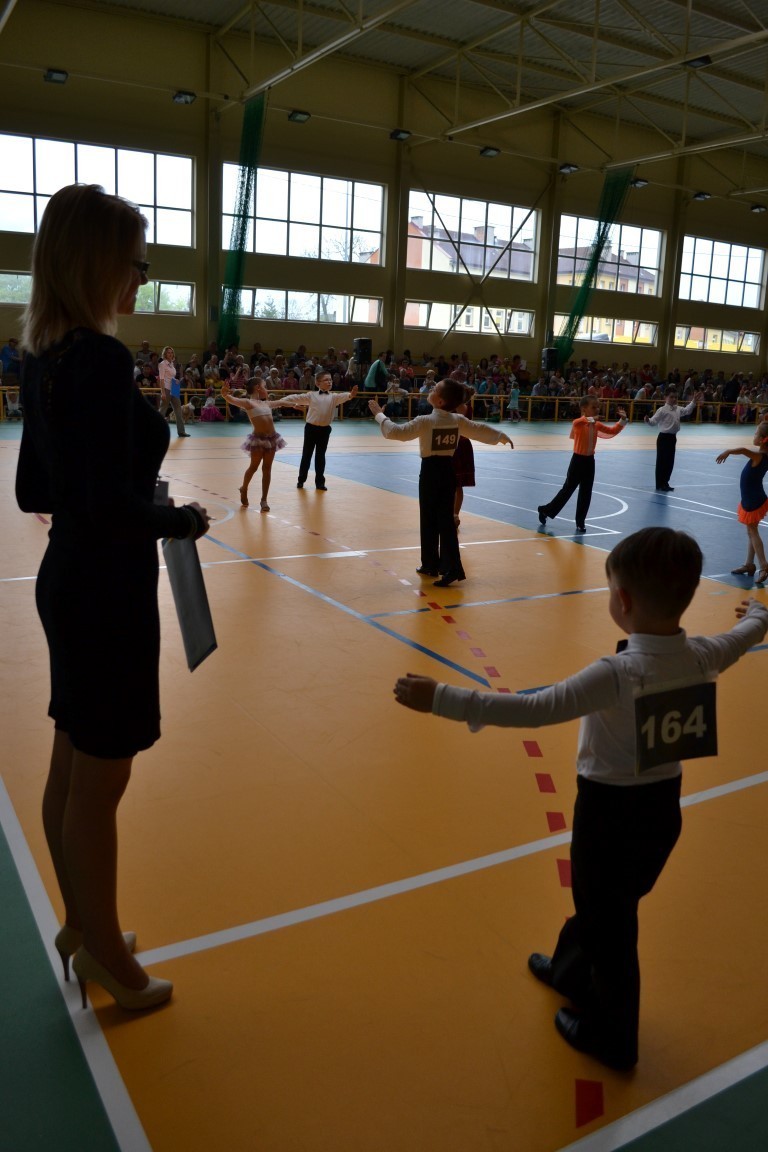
{"points": [[570, 1025], [541, 966], [448, 579], [300, 484], [581, 529], [181, 434], [542, 515], [320, 488], [428, 571]]}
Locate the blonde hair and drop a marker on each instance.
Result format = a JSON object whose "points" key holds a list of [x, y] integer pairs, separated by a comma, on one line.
{"points": [[81, 264]]}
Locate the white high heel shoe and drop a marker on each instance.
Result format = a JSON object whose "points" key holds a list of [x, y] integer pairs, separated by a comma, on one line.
{"points": [[133, 999], [68, 940]]}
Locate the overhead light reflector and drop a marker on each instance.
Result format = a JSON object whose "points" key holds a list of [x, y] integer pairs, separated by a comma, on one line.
{"points": [[181, 97], [299, 117], [55, 76], [568, 169], [489, 151], [399, 134]]}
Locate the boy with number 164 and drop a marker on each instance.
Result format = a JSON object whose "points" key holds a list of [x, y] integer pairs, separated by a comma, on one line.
{"points": [[643, 711]]}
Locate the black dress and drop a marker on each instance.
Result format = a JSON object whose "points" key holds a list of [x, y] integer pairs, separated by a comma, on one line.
{"points": [[90, 453]]}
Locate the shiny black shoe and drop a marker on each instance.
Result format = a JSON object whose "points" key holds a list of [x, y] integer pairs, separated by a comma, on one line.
{"points": [[580, 529], [541, 967], [320, 488], [300, 484], [542, 515], [570, 1025], [428, 571], [448, 579]]}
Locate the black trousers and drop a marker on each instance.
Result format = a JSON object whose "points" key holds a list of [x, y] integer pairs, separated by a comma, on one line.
{"points": [[622, 838], [439, 540], [581, 475], [665, 457], [315, 440]]}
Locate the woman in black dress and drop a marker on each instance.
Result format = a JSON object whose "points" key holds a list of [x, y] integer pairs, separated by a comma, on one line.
{"points": [[90, 453]]}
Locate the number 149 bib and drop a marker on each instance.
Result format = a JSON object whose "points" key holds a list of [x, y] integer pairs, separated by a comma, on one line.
{"points": [[675, 722]]}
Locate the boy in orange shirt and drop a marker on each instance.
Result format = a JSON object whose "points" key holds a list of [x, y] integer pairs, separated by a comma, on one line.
{"points": [[581, 470]]}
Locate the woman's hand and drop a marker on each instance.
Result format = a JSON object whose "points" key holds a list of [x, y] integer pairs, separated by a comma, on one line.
{"points": [[203, 514], [723, 456], [375, 407], [416, 692]]}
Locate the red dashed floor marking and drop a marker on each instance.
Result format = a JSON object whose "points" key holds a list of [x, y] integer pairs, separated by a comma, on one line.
{"points": [[431, 604], [463, 635], [564, 871], [449, 619], [556, 821], [478, 652], [491, 671], [532, 748], [545, 782], [589, 1101], [507, 690]]}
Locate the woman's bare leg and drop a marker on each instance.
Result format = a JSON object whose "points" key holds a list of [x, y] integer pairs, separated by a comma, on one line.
{"points": [[54, 805], [89, 854]]}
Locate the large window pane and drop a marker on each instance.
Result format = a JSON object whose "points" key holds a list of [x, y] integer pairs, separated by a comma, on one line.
{"points": [[335, 244], [271, 193], [136, 176], [15, 288], [301, 306], [271, 236], [305, 198], [270, 304], [174, 227], [174, 181], [54, 165], [17, 212], [369, 204], [16, 173], [304, 240], [175, 298], [96, 165]]}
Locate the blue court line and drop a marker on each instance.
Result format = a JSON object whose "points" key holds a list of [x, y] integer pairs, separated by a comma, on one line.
{"points": [[351, 612], [490, 603]]}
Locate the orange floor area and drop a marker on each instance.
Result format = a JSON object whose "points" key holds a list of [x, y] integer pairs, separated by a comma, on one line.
{"points": [[399, 1020]]}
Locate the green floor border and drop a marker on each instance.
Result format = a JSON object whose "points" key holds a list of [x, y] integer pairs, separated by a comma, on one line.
{"points": [[48, 1099]]}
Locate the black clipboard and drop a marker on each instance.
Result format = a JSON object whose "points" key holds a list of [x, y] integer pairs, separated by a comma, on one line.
{"points": [[191, 599]]}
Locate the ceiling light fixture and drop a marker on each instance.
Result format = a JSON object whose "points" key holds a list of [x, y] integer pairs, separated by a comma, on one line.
{"points": [[55, 76], [567, 169], [638, 182], [702, 196], [489, 151], [299, 117], [698, 62], [399, 134], [182, 97], [758, 208]]}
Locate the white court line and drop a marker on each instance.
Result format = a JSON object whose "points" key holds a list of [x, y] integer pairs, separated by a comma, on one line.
{"points": [[129, 1133]]}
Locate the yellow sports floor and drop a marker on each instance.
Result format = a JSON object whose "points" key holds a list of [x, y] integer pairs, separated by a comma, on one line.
{"points": [[344, 892]]}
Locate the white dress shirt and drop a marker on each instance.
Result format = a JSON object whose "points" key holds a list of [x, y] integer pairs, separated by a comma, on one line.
{"points": [[667, 418], [321, 406]]}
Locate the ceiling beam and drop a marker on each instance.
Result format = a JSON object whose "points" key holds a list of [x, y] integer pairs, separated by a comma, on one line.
{"points": [[6, 13]]}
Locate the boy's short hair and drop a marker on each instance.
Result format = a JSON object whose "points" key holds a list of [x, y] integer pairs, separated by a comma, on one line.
{"points": [[454, 394], [586, 399], [660, 567]]}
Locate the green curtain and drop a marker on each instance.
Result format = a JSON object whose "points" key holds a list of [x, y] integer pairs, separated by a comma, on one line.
{"points": [[615, 189], [250, 150]]}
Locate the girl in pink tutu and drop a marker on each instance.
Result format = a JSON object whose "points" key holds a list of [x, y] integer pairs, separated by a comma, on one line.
{"points": [[754, 502], [263, 441]]}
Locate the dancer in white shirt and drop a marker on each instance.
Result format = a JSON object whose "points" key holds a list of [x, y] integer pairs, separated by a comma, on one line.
{"points": [[321, 407], [667, 420], [643, 711]]}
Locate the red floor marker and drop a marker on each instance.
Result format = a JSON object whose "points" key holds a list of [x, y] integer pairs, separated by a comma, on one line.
{"points": [[556, 821], [532, 748], [589, 1101], [478, 652], [545, 782], [449, 619], [492, 672], [564, 870], [431, 604], [507, 690], [463, 635]]}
